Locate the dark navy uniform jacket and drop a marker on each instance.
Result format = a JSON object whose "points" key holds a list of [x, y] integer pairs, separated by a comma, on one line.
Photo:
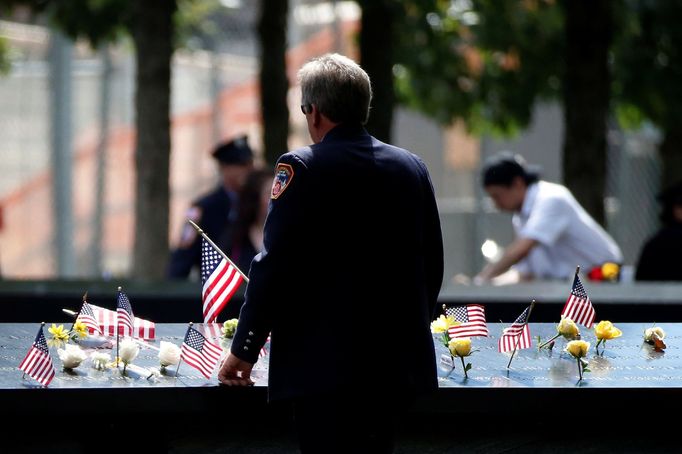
{"points": [[215, 214], [350, 273]]}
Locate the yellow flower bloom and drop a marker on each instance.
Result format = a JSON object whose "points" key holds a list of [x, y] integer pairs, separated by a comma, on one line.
{"points": [[609, 271], [460, 347], [568, 328], [59, 336], [80, 329], [578, 348], [606, 331], [442, 323], [652, 333]]}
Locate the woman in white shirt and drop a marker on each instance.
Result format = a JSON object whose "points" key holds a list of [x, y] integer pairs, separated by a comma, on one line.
{"points": [[554, 234]]}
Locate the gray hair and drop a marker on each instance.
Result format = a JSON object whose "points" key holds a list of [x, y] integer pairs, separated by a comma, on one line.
{"points": [[339, 88]]}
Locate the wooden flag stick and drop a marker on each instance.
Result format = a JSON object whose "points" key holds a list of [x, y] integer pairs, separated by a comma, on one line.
{"points": [[201, 232], [516, 345], [178, 368], [75, 319]]}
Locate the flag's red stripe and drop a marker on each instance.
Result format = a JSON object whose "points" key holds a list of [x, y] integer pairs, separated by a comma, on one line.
{"points": [[218, 298]]}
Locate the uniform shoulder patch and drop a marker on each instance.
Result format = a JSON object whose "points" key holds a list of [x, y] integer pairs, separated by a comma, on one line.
{"points": [[284, 173], [189, 234]]}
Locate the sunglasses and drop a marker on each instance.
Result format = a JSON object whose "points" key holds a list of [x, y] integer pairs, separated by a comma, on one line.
{"points": [[306, 108]]}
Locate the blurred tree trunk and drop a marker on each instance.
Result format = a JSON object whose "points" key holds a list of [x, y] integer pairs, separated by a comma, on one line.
{"points": [[153, 35], [670, 151], [274, 85], [376, 57], [586, 101]]}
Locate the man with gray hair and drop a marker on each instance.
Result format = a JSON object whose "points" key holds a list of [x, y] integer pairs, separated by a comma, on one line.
{"points": [[353, 256]]}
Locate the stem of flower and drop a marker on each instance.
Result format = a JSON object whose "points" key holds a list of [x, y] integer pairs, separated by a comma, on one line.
{"points": [[464, 367], [580, 369], [547, 342]]}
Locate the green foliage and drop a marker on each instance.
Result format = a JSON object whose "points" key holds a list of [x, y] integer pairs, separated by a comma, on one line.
{"points": [[98, 21], [200, 24], [648, 62], [5, 63], [485, 62]]}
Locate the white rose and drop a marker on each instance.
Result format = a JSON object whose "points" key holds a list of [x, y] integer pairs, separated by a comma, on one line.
{"points": [[169, 354], [71, 355], [654, 333], [128, 350], [100, 360]]}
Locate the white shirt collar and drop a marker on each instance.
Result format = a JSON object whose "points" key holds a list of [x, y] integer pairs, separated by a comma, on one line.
{"points": [[529, 199]]}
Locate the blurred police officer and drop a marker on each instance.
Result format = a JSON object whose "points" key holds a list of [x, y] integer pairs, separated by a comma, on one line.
{"points": [[215, 212], [348, 279]]}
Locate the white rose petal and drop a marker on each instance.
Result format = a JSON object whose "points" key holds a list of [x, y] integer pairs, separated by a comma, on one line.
{"points": [[71, 355], [100, 360], [128, 350], [169, 354]]}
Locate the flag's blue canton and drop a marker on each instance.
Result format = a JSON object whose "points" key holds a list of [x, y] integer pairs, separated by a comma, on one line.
{"points": [[195, 340], [578, 289], [87, 310], [41, 343], [522, 318], [124, 303], [461, 314], [210, 258]]}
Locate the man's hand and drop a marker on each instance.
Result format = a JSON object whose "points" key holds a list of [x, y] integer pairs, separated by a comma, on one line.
{"points": [[235, 372]]}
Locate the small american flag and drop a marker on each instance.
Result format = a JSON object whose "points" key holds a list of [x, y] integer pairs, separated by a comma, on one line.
{"points": [[516, 336], [107, 321], [219, 278], [264, 351], [38, 363], [125, 314], [88, 318], [471, 318], [199, 352], [578, 306]]}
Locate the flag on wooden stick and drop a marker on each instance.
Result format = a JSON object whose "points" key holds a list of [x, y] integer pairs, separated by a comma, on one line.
{"points": [[578, 306], [516, 336], [471, 320], [199, 352], [220, 279], [38, 363]]}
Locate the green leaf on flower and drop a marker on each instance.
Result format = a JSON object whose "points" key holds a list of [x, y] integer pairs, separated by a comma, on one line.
{"points": [[468, 367]]}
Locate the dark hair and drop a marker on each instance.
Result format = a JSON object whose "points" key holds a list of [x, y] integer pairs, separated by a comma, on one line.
{"points": [[502, 168], [670, 198]]}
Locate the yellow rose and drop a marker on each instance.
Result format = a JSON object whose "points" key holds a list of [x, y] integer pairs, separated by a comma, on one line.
{"points": [[578, 348], [568, 328], [442, 323], [606, 331], [460, 347], [656, 332], [80, 329], [60, 336], [609, 271]]}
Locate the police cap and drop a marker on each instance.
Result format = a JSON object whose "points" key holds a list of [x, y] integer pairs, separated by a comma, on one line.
{"points": [[236, 151]]}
